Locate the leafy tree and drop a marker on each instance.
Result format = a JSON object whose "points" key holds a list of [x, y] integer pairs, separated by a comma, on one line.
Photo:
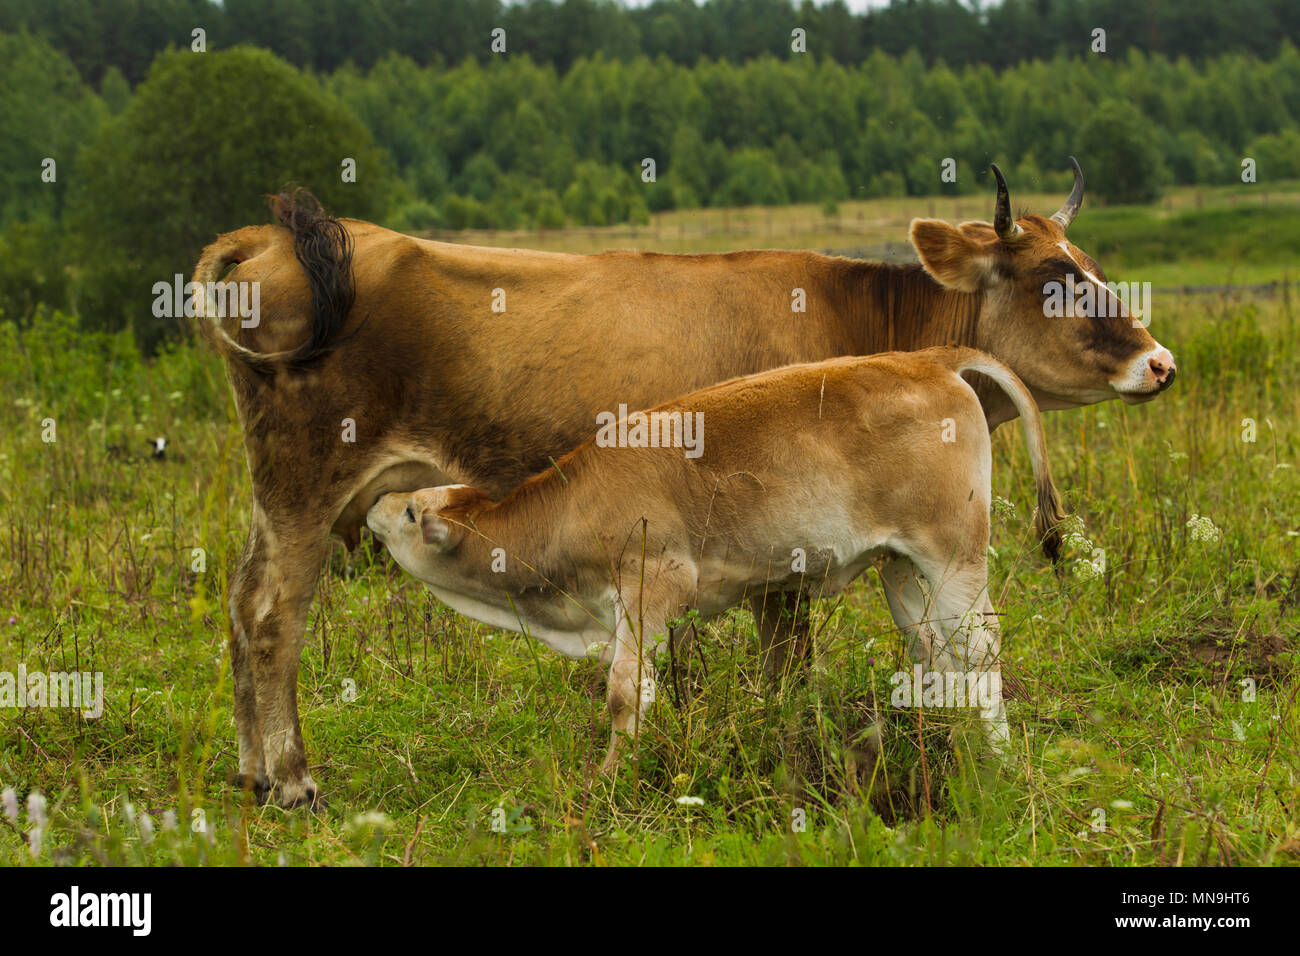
{"points": [[416, 216], [324, 35], [202, 141], [47, 111], [602, 194], [754, 179], [1116, 149], [32, 272], [465, 212], [114, 90], [1277, 156]]}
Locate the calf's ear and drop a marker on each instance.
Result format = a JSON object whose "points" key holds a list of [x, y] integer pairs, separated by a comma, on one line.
{"points": [[954, 258], [440, 533], [462, 496]]}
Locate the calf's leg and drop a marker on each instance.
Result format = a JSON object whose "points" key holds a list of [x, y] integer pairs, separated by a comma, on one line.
{"points": [[632, 683], [943, 609], [908, 595], [969, 644], [641, 624]]}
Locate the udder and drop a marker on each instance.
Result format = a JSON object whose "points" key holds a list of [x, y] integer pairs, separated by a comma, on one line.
{"points": [[402, 476]]}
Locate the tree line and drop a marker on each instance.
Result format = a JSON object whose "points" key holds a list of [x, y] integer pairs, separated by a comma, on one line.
{"points": [[323, 35], [104, 188]]}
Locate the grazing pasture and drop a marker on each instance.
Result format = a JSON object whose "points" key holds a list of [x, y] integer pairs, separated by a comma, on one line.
{"points": [[440, 740]]}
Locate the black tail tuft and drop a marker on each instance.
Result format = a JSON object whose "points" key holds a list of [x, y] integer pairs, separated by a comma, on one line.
{"points": [[1047, 521], [324, 248]]}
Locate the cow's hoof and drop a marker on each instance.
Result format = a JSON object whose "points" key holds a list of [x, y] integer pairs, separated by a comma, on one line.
{"points": [[256, 784]]}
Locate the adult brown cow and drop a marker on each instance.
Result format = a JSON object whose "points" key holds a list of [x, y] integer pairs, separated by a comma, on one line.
{"points": [[380, 362]]}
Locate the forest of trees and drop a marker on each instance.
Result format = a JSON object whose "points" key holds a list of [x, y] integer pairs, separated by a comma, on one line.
{"points": [[323, 35], [107, 185]]}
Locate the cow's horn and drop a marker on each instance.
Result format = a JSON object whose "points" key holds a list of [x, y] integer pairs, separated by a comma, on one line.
{"points": [[1003, 224], [1065, 215]]}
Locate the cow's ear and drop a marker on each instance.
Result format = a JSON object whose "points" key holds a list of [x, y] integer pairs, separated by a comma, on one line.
{"points": [[979, 231], [955, 259], [439, 533]]}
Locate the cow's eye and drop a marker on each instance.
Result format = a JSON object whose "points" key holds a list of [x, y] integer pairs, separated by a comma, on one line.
{"points": [[410, 515]]}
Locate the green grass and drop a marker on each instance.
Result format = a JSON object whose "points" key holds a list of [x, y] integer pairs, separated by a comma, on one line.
{"points": [[1218, 245], [1132, 743]]}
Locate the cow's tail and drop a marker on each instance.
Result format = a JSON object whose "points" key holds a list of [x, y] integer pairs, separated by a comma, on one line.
{"points": [[230, 249], [322, 246], [1049, 514]]}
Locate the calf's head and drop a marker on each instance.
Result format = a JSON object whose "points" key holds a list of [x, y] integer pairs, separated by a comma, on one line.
{"points": [[1027, 270], [420, 527]]}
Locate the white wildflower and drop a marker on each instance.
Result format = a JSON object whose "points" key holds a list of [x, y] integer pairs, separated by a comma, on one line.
{"points": [[36, 814], [1202, 528], [36, 808], [1072, 533], [1088, 569], [690, 801]]}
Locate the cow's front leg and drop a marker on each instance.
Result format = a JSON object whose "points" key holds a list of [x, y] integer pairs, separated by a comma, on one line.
{"points": [[269, 605], [784, 633]]}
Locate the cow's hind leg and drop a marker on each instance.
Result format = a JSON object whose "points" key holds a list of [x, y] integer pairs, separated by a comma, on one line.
{"points": [[269, 603], [243, 594]]}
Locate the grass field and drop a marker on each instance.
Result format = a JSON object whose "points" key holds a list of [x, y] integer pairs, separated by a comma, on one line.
{"points": [[439, 740], [1194, 236]]}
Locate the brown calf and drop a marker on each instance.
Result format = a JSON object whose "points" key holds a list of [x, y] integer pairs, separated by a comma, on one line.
{"points": [[804, 477]]}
